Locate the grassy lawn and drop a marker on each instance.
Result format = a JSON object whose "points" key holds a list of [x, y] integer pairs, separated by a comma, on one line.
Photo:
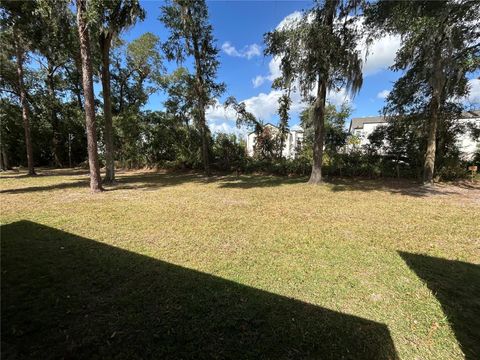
{"points": [[180, 266]]}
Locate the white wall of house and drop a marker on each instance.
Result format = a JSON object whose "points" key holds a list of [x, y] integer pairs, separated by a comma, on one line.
{"points": [[466, 144], [293, 140], [367, 129]]}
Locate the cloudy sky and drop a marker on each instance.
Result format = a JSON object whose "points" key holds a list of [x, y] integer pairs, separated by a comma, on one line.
{"points": [[238, 28]]}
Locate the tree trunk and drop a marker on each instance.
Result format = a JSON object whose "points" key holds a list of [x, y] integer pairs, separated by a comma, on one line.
{"points": [[437, 86], [95, 179], [204, 132], [319, 131], [429, 165], [200, 92], [319, 105], [24, 105], [202, 124], [107, 109], [5, 164], [53, 114]]}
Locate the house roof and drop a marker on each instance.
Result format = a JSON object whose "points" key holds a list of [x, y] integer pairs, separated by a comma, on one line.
{"points": [[296, 128], [358, 123]]}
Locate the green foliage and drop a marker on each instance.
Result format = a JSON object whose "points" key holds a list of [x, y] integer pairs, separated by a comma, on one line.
{"points": [[439, 48], [337, 60], [244, 117], [266, 146], [191, 35], [229, 153]]}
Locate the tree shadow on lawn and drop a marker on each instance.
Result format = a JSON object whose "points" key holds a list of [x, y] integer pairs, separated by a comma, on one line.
{"points": [[394, 186], [124, 181], [152, 180], [456, 285], [43, 172], [256, 181], [64, 296]]}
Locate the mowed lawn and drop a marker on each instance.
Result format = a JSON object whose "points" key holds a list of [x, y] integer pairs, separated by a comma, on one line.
{"points": [[166, 265]]}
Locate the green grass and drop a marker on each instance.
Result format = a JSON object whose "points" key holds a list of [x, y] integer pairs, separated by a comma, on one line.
{"points": [[179, 266]]}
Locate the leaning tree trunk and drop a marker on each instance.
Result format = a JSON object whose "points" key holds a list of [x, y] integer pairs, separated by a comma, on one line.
{"points": [[87, 81], [107, 109], [24, 105], [318, 117], [438, 81]]}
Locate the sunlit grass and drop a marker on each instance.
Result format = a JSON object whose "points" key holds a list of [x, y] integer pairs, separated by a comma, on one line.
{"points": [[335, 246]]}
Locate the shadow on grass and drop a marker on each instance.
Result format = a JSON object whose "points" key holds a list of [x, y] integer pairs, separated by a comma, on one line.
{"points": [[402, 186], [124, 182], [44, 172], [153, 180], [456, 285], [64, 296], [255, 181]]}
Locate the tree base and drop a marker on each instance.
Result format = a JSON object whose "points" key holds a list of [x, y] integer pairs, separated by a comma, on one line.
{"points": [[314, 182], [107, 181], [315, 177]]}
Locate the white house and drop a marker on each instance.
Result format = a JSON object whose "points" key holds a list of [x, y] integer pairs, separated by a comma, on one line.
{"points": [[292, 143], [364, 126]]}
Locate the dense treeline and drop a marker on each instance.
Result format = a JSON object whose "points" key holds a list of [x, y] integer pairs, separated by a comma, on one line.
{"points": [[53, 53]]}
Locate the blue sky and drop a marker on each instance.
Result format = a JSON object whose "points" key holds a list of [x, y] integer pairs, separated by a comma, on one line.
{"points": [[238, 28]]}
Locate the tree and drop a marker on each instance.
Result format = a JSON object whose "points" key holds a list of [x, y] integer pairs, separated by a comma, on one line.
{"points": [[16, 27], [440, 47], [192, 35], [87, 81], [284, 103], [243, 116], [113, 17], [319, 52], [144, 64], [51, 38], [335, 133]]}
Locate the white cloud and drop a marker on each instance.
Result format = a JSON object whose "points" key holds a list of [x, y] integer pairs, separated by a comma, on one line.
{"points": [[258, 81], [217, 112], [337, 98], [383, 94], [248, 51], [273, 72], [381, 54], [265, 107], [289, 20]]}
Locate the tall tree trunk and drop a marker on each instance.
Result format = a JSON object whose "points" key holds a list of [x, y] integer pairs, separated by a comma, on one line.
{"points": [[319, 105], [200, 92], [53, 115], [318, 117], [4, 163], [23, 103], [204, 133], [105, 42], [95, 179], [438, 81], [429, 165], [202, 124]]}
